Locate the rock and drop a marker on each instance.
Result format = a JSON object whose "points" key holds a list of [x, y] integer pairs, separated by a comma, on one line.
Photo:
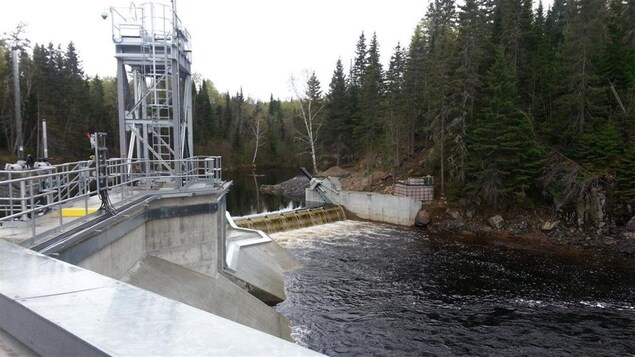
{"points": [[377, 177], [454, 213], [496, 221], [550, 226], [335, 171], [630, 225], [422, 219], [469, 214], [468, 234], [293, 187]]}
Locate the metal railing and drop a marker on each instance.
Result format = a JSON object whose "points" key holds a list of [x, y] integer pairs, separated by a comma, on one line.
{"points": [[28, 194]]}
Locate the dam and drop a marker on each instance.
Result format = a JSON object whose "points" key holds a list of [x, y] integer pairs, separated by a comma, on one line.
{"points": [[136, 254], [167, 253]]}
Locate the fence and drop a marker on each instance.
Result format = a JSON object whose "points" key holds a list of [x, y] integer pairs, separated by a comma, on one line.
{"points": [[28, 194]]}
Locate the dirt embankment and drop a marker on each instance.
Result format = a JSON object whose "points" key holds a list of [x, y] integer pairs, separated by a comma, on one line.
{"points": [[541, 229]]}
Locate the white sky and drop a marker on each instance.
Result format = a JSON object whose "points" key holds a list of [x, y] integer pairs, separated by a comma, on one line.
{"points": [[254, 44]]}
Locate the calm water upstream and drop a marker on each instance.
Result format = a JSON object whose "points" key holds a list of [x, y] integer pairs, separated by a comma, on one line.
{"points": [[244, 197], [371, 289]]}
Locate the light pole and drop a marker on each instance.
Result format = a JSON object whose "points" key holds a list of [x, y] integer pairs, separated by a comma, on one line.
{"points": [[18, 107]]}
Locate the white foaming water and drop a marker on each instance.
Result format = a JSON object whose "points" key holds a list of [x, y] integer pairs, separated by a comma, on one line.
{"points": [[305, 237], [291, 206]]}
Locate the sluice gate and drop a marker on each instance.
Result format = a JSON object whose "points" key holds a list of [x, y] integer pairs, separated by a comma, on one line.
{"points": [[284, 221]]}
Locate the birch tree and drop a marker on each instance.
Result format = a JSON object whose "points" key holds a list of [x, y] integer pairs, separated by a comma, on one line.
{"points": [[258, 129], [309, 97]]}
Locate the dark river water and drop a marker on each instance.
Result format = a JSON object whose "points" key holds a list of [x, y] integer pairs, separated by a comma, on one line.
{"points": [[371, 289], [244, 197]]}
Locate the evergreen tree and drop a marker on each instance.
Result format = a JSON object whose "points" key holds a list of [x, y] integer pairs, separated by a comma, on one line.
{"points": [[415, 84], [395, 124], [583, 95], [466, 82], [504, 158], [361, 62], [625, 189], [202, 115], [600, 150], [555, 23], [339, 125], [367, 128], [441, 31]]}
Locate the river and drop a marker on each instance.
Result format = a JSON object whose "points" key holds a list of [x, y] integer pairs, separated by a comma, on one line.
{"points": [[372, 289], [369, 289], [244, 197]]}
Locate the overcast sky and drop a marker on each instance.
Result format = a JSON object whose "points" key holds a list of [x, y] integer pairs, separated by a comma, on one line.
{"points": [[254, 44]]}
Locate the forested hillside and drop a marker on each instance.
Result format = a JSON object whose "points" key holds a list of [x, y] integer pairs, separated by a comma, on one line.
{"points": [[506, 103]]}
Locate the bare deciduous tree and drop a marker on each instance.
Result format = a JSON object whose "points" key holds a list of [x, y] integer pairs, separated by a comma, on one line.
{"points": [[311, 105]]}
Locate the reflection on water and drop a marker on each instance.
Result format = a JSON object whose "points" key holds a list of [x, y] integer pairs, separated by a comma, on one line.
{"points": [[372, 289], [245, 198]]}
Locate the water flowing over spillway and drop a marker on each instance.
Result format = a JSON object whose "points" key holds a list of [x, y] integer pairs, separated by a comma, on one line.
{"points": [[373, 289]]}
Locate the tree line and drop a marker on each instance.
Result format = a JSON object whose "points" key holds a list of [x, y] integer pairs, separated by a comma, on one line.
{"points": [[54, 87], [506, 104]]}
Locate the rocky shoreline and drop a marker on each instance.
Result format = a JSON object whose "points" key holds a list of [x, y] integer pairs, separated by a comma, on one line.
{"points": [[524, 229], [533, 230]]}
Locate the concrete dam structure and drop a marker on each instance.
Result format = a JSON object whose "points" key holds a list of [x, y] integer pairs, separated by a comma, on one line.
{"points": [[136, 255], [170, 249]]}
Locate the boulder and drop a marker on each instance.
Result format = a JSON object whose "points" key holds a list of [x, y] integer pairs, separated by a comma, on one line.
{"points": [[377, 177], [496, 221], [422, 219], [454, 213], [293, 187], [550, 226]]}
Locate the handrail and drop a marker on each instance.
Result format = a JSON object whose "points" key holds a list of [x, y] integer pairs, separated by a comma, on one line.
{"points": [[26, 195]]}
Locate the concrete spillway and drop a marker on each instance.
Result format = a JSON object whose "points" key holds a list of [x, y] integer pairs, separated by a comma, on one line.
{"points": [[273, 222]]}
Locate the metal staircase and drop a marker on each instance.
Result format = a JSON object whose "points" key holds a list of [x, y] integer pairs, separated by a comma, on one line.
{"points": [[154, 60]]}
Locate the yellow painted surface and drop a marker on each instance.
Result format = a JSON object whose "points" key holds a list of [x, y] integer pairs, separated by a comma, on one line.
{"points": [[77, 211]]}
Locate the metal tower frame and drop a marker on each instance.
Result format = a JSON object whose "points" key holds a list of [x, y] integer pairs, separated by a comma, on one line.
{"points": [[154, 86]]}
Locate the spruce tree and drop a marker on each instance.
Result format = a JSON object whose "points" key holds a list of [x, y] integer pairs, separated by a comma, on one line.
{"points": [[415, 85], [338, 122], [466, 81], [505, 160], [441, 29], [582, 100], [395, 124], [367, 131], [599, 151]]}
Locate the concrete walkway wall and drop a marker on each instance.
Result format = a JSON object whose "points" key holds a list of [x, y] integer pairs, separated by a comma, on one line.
{"points": [[366, 205]]}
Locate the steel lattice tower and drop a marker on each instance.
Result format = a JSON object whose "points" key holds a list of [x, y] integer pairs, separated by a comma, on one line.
{"points": [[154, 86]]}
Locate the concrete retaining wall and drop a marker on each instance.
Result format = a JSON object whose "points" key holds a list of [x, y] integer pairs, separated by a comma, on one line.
{"points": [[175, 247], [366, 205]]}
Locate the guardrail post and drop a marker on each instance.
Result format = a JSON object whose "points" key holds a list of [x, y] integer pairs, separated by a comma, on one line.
{"points": [[33, 211]]}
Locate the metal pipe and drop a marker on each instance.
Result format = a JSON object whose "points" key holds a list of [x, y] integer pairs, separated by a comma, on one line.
{"points": [[44, 140], [18, 107]]}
